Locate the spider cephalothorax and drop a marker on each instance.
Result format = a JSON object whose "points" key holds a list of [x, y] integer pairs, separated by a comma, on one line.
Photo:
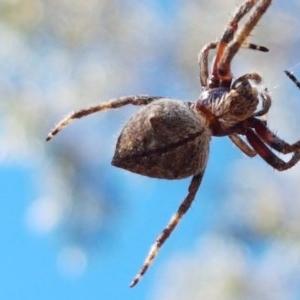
{"points": [[232, 105], [170, 139]]}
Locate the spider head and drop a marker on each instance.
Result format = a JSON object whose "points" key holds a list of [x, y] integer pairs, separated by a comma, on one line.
{"points": [[241, 102], [227, 106]]}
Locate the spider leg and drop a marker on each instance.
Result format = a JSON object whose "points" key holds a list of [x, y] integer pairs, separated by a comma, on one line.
{"points": [[226, 38], [266, 104], [254, 47], [114, 103], [272, 159], [249, 76], [272, 139], [183, 208], [242, 145], [203, 58], [222, 67], [293, 78], [203, 62]]}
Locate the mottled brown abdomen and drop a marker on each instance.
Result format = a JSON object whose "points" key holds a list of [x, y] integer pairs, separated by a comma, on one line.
{"points": [[165, 139]]}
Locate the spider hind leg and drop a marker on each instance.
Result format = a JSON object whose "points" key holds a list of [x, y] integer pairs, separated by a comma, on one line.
{"points": [[114, 103], [167, 231]]}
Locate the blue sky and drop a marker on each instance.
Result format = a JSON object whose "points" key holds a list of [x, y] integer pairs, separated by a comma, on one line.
{"points": [[29, 263]]}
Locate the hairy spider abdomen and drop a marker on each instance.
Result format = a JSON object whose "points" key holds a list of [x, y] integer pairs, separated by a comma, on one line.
{"points": [[165, 139]]}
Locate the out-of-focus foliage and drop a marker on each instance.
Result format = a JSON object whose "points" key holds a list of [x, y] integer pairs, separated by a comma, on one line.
{"points": [[56, 56]]}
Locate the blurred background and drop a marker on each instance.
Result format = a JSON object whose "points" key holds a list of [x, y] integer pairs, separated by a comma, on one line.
{"points": [[74, 227]]}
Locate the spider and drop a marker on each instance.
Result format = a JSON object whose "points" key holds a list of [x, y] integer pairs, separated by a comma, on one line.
{"points": [[170, 139]]}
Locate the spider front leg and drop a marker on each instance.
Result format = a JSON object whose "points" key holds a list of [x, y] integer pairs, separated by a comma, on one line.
{"points": [[203, 63], [114, 103], [222, 65], [183, 208], [203, 59], [226, 38]]}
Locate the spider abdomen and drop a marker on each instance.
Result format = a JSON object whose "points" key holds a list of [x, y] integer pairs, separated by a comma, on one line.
{"points": [[165, 139]]}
